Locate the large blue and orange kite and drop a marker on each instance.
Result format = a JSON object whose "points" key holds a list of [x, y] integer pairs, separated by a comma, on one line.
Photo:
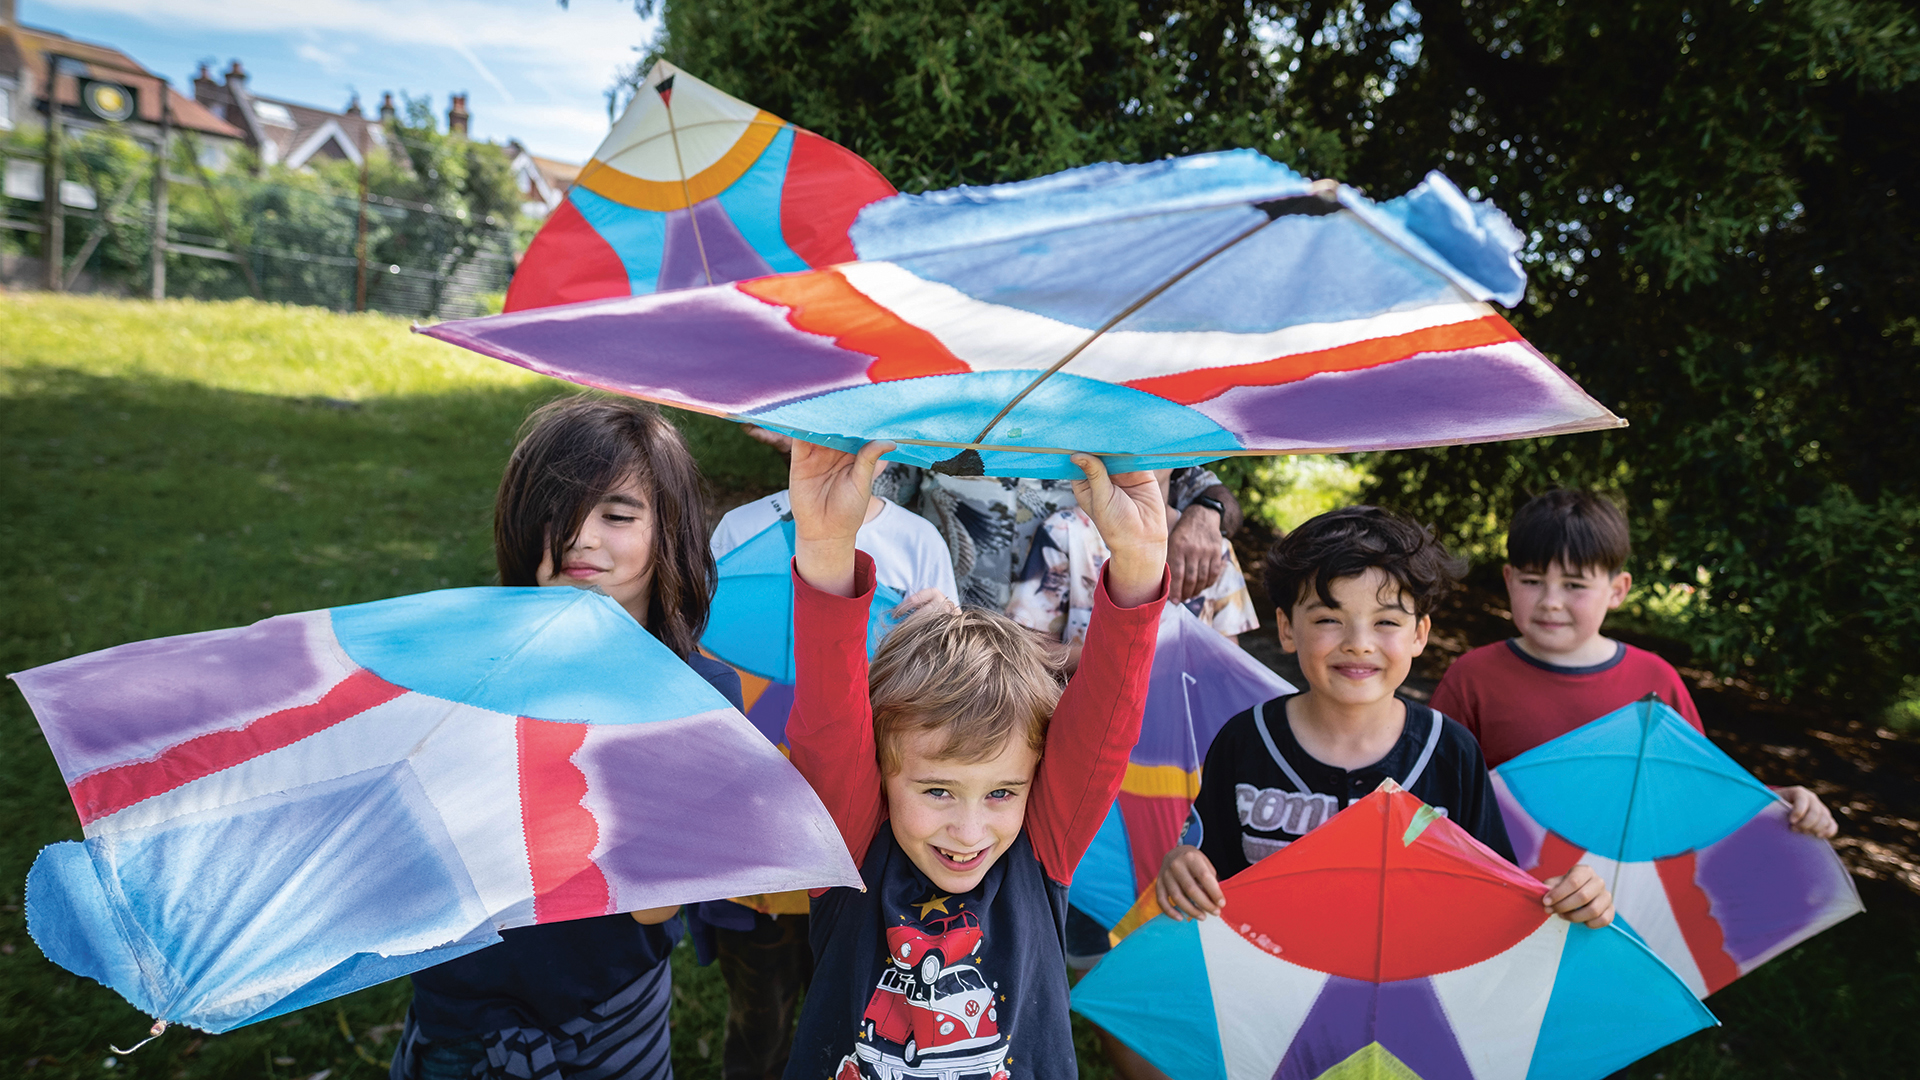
{"points": [[1160, 315]]}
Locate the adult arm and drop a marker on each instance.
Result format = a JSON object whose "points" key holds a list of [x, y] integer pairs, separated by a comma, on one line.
{"points": [[1195, 554]]}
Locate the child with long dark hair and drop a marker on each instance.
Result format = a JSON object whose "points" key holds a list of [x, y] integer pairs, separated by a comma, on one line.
{"points": [[599, 493]]}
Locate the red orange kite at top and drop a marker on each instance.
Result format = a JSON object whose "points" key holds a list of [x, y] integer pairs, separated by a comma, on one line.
{"points": [[693, 187]]}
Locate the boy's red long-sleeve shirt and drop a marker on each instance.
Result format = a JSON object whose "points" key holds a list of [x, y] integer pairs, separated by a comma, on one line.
{"points": [[994, 998]]}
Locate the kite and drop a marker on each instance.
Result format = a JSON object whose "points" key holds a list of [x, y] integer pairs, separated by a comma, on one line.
{"points": [[1386, 943], [1200, 681], [1698, 853], [1160, 315], [750, 625], [751, 622], [694, 187], [283, 813]]}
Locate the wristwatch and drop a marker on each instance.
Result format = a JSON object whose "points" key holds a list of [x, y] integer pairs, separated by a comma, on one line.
{"points": [[1214, 505]]}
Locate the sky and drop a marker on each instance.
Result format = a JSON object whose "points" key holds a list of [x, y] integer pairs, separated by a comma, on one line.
{"points": [[532, 70]]}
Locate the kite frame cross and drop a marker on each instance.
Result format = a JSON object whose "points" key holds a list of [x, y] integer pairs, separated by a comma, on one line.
{"points": [[1322, 198]]}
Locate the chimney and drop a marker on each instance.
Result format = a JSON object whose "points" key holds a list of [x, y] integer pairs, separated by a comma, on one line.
{"points": [[353, 106], [7, 16], [237, 76], [204, 88], [457, 115], [388, 114]]}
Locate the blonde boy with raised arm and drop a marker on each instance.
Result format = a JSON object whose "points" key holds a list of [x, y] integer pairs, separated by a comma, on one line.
{"points": [[965, 782]]}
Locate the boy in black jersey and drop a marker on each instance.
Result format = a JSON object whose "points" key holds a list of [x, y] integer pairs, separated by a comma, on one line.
{"points": [[1352, 591]]}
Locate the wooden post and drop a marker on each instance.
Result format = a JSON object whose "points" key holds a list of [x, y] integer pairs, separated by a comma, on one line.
{"points": [[360, 236], [160, 194], [220, 215], [54, 239]]}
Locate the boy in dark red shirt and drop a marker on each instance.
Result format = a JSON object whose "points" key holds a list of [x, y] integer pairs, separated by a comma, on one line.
{"points": [[1566, 568], [951, 961]]}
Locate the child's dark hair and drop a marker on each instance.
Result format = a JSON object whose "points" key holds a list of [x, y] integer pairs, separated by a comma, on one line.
{"points": [[1577, 529], [1349, 542], [575, 450]]}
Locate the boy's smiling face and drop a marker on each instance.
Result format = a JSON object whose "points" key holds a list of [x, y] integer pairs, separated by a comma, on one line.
{"points": [[1559, 611], [954, 818], [1357, 651]]}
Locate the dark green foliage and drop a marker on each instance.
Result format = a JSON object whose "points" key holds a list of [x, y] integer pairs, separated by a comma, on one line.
{"points": [[1718, 196], [940, 94]]}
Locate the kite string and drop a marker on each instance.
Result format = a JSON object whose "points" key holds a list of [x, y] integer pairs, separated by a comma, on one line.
{"points": [[158, 1029]]}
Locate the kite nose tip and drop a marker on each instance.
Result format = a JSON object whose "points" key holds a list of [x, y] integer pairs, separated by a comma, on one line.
{"points": [[964, 463]]}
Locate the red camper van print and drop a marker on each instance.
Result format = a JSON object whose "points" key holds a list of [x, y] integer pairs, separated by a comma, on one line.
{"points": [[939, 1010]]}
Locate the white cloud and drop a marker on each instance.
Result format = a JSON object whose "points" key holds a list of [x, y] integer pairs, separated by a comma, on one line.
{"points": [[547, 67], [587, 32], [331, 61]]}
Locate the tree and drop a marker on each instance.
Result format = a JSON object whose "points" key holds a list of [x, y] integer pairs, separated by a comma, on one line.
{"points": [[1718, 196], [460, 192]]}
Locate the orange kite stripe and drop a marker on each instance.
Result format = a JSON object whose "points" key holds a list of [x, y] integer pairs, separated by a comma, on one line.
{"points": [[824, 302], [1192, 387], [668, 195]]}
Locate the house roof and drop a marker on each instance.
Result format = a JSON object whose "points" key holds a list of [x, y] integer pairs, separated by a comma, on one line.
{"points": [[301, 132], [560, 174], [108, 64]]}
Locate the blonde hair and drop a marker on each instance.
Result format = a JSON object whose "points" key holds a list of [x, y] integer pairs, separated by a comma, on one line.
{"points": [[976, 675]]}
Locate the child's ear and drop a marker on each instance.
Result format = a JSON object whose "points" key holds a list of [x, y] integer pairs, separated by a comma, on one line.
{"points": [[1617, 589], [1283, 625], [1507, 574], [1420, 631]]}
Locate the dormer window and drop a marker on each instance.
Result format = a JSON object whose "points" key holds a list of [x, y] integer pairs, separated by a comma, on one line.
{"points": [[273, 113]]}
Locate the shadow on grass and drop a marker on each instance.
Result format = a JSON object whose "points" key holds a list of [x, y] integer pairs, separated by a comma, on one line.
{"points": [[142, 508]]}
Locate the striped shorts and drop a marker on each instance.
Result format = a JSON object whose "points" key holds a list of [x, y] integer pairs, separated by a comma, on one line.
{"points": [[622, 1038]]}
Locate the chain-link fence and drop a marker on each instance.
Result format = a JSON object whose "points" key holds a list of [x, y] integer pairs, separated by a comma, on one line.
{"points": [[287, 237]]}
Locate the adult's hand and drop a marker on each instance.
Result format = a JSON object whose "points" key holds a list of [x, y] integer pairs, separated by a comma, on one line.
{"points": [[930, 598], [1195, 554]]}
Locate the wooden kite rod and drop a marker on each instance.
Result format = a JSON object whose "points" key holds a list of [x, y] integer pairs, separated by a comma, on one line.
{"points": [[1557, 429], [1325, 190], [685, 187]]}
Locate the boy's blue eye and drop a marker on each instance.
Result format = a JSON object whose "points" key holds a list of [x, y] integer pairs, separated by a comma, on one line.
{"points": [[936, 792], [999, 793]]}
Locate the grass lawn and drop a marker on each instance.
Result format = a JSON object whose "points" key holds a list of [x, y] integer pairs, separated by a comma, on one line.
{"points": [[186, 466]]}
